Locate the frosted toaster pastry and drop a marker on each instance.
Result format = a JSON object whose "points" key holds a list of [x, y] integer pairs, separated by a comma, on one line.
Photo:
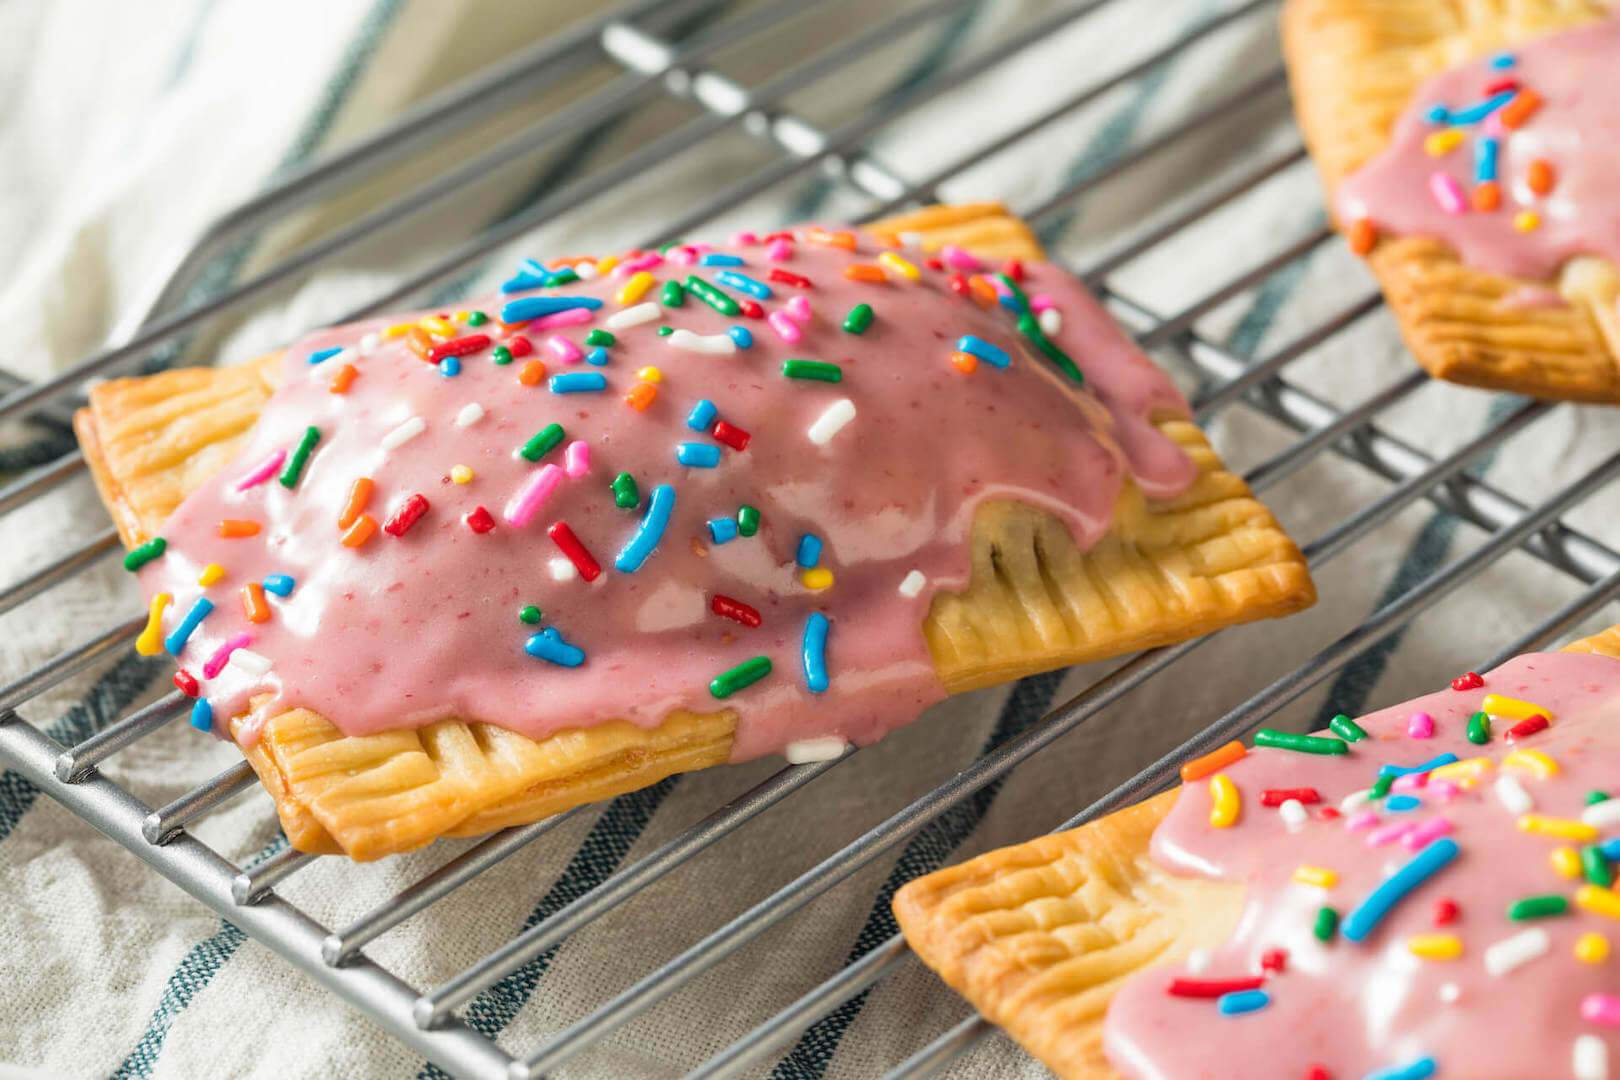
{"points": [[1472, 153], [1426, 891], [439, 574]]}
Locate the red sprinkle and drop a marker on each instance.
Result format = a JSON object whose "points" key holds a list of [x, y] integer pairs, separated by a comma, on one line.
{"points": [[1445, 911], [1470, 681], [788, 277], [1500, 85], [1318, 1072], [1013, 269], [564, 537], [1527, 727], [751, 309], [409, 513], [460, 346], [786, 234], [958, 284], [1212, 988], [933, 263], [518, 345], [1274, 960], [187, 682], [734, 609], [1278, 796], [479, 520], [730, 434], [1326, 813]]}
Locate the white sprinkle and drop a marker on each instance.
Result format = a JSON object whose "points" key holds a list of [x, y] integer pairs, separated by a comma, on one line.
{"points": [[910, 239], [1591, 1058], [324, 369], [832, 421], [1198, 961], [1355, 801], [1512, 795], [1604, 815], [562, 570], [470, 414], [1051, 321], [252, 664], [1293, 814], [585, 271], [805, 751], [403, 434], [634, 316], [1450, 992], [1516, 951], [710, 345], [912, 585], [370, 342]]}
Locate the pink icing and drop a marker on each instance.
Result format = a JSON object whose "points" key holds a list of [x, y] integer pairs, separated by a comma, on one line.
{"points": [[1576, 130], [1356, 1007], [405, 630]]}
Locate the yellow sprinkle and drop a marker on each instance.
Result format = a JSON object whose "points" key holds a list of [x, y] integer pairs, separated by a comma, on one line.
{"points": [[1595, 898], [1316, 875], [1527, 221], [436, 325], [399, 329], [461, 474], [1562, 828], [1435, 946], [462, 316], [1534, 760], [150, 643], [1497, 705], [1466, 769], [211, 573], [895, 264], [635, 288], [1591, 948], [1566, 861], [1442, 143], [1224, 801], [650, 374], [817, 579], [604, 265]]}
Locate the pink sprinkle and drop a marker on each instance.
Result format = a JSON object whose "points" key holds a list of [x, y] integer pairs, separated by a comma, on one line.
{"points": [[686, 254], [1410, 782], [564, 350], [1493, 125], [955, 257], [1448, 193], [1386, 834], [1601, 1009], [1432, 829], [799, 309], [1040, 302], [1361, 819], [1444, 790], [522, 508], [778, 250], [577, 459], [264, 472], [786, 328], [222, 655], [631, 266], [1000, 287], [1420, 725], [700, 248], [571, 317], [744, 238]]}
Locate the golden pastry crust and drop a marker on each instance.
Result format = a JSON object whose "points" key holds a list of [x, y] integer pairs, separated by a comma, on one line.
{"points": [[1354, 66], [1039, 936], [1167, 571]]}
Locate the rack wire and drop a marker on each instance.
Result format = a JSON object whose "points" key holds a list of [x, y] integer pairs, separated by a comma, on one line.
{"points": [[653, 66]]}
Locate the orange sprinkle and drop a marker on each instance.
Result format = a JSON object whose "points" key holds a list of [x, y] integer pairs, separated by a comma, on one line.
{"points": [[865, 272], [1487, 196], [1362, 236], [232, 529], [532, 373], [887, 239], [345, 375], [641, 395], [360, 531], [982, 291], [359, 494], [845, 240], [965, 362], [1540, 176], [1212, 762], [253, 603], [511, 327], [419, 341], [1521, 108]]}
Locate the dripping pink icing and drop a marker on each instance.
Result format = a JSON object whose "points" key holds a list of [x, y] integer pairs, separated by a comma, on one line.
{"points": [[407, 630], [1576, 129], [1357, 1007]]}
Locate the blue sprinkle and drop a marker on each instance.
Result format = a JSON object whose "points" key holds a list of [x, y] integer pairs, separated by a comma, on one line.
{"points": [[1402, 802], [188, 625], [985, 351], [720, 260], [202, 715], [702, 415], [577, 382], [319, 355], [450, 365], [597, 356], [1486, 152], [1503, 60], [1242, 1001], [1418, 869], [1476, 112], [1611, 849], [698, 455], [280, 584], [815, 652], [1438, 114], [1010, 302], [809, 550], [743, 283], [660, 505], [1427, 766], [1417, 1070], [741, 336], [535, 307], [549, 645], [523, 282], [723, 530]]}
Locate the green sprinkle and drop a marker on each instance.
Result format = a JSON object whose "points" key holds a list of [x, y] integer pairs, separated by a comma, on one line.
{"points": [[1380, 787], [747, 520], [812, 369], [1327, 921], [1032, 330], [712, 296], [1595, 797], [858, 319], [545, 440], [744, 674], [1479, 728], [501, 355], [663, 249], [665, 331], [1537, 907], [673, 295], [563, 276], [1305, 744], [1018, 294], [294, 468], [139, 557], [600, 337], [476, 318], [1596, 867], [531, 615], [625, 494], [1346, 728]]}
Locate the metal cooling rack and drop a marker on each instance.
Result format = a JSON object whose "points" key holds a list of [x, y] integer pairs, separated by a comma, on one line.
{"points": [[652, 66]]}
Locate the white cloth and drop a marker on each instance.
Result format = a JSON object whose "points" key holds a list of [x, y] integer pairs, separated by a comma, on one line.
{"points": [[126, 127]]}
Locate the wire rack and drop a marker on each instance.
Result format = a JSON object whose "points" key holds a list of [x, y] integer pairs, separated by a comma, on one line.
{"points": [[650, 66]]}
